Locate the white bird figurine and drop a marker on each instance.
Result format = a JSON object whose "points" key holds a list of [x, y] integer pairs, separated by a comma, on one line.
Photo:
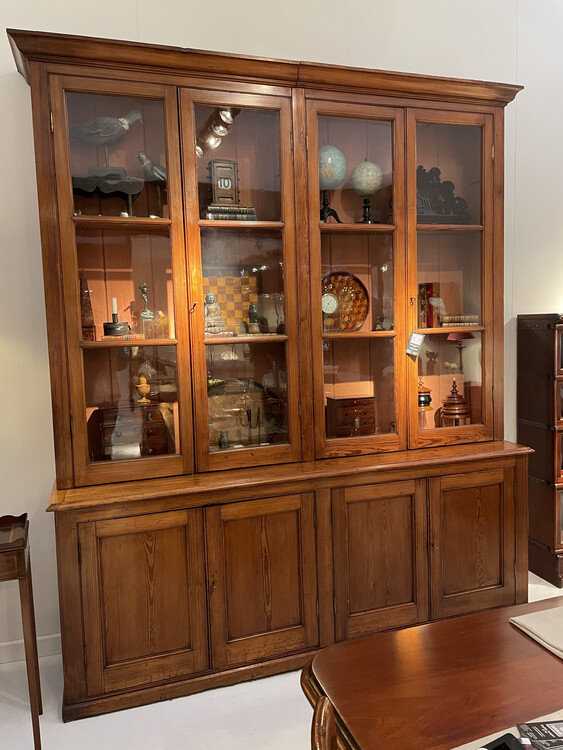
{"points": [[152, 172], [105, 131]]}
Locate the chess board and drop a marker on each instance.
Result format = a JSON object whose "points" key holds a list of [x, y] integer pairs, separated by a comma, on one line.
{"points": [[234, 293]]}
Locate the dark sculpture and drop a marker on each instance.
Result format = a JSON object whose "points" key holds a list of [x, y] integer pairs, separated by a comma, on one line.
{"points": [[435, 200]]}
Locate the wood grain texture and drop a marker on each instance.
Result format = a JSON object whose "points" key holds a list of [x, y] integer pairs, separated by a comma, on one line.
{"points": [[472, 541], [379, 557], [172, 582], [398, 688], [52, 279], [143, 570], [269, 549], [31, 45]]}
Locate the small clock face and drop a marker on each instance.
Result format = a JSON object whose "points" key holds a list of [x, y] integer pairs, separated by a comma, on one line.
{"points": [[329, 303]]}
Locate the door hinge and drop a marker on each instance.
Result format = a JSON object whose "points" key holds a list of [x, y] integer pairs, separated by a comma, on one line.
{"points": [[317, 609], [493, 151], [52, 123], [291, 140], [306, 143], [334, 604]]}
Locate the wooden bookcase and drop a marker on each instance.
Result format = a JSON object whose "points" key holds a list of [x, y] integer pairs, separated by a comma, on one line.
{"points": [[540, 425], [249, 464]]}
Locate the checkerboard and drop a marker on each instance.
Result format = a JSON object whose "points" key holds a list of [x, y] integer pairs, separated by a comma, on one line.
{"points": [[234, 294]]}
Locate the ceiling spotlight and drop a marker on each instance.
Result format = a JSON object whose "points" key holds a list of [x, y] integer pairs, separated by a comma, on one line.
{"points": [[227, 116], [215, 129]]}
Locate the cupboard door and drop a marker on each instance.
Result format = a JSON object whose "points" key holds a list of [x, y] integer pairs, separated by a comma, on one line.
{"points": [[144, 599], [238, 181], [356, 209], [472, 541], [380, 565], [451, 260], [261, 578], [123, 269]]}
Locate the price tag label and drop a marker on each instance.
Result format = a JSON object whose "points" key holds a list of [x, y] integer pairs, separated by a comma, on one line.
{"points": [[415, 343]]}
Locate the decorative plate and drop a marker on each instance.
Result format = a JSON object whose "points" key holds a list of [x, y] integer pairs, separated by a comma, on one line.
{"points": [[352, 297]]}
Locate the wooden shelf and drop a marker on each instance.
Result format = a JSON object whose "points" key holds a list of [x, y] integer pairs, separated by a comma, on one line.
{"points": [[127, 342], [254, 339], [450, 329], [449, 227], [123, 221], [207, 223], [359, 335], [385, 228]]}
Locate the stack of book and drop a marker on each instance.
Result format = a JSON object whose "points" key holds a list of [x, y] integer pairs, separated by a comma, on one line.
{"points": [[219, 212]]}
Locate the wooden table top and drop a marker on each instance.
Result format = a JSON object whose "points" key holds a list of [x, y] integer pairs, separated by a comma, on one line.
{"points": [[440, 685]]}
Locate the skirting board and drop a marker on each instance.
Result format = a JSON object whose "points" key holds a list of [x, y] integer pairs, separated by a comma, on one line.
{"points": [[47, 645]]}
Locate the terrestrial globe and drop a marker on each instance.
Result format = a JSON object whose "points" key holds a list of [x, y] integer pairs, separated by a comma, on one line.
{"points": [[332, 167], [366, 178]]}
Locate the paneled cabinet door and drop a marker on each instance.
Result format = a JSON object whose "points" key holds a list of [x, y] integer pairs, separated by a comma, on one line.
{"points": [[380, 563], [472, 541], [144, 599], [261, 578]]}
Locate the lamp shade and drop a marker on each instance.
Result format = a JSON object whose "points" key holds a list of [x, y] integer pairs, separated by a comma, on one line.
{"points": [[460, 335]]}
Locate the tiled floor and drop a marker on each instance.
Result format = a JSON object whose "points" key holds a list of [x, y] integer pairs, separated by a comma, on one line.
{"points": [[268, 714]]}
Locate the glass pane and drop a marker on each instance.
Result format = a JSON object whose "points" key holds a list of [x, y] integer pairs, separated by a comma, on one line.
{"points": [[448, 173], [238, 163], [359, 386], [355, 170], [131, 402], [450, 380], [243, 281], [125, 283], [449, 279], [357, 282], [117, 155], [246, 395]]}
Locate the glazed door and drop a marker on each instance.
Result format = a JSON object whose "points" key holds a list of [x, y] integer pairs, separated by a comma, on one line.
{"points": [[472, 542], [452, 171], [239, 205], [357, 240], [380, 557], [143, 591], [121, 234], [261, 578]]}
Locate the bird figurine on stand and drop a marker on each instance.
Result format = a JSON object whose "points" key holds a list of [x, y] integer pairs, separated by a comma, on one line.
{"points": [[105, 131], [155, 173]]}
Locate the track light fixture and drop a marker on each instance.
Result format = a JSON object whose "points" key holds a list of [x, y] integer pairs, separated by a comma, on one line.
{"points": [[215, 129]]}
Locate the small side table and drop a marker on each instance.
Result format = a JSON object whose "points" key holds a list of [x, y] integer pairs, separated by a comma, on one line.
{"points": [[15, 564]]}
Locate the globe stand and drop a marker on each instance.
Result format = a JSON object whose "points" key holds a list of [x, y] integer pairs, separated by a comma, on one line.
{"points": [[327, 211]]}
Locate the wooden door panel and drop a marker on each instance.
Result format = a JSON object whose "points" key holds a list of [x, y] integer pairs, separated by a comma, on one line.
{"points": [[144, 599], [472, 541], [262, 578], [379, 557]]}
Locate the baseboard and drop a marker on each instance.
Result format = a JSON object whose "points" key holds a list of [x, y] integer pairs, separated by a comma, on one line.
{"points": [[47, 645]]}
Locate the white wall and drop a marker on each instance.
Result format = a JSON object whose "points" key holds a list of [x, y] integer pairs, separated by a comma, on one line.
{"points": [[443, 37]]}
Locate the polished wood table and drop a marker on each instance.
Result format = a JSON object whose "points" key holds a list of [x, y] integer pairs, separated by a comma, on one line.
{"points": [[15, 565], [440, 685]]}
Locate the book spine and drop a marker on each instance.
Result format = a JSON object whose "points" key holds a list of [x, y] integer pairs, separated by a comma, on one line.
{"points": [[422, 307]]}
